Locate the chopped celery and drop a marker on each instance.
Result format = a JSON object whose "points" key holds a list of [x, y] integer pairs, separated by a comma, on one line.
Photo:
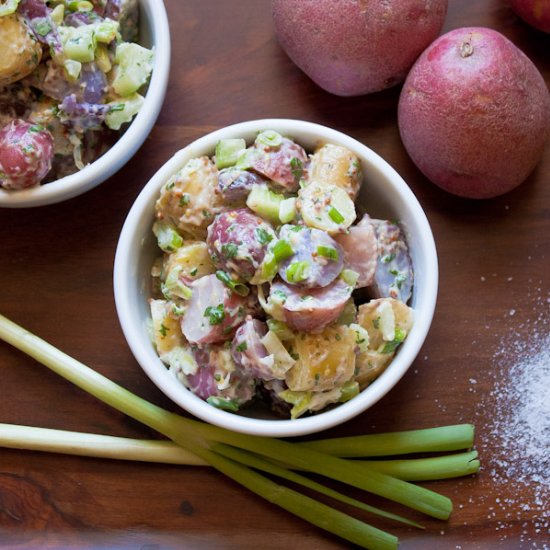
{"points": [[228, 151], [287, 210], [123, 111], [133, 65], [72, 69], [264, 202], [8, 7], [78, 42]]}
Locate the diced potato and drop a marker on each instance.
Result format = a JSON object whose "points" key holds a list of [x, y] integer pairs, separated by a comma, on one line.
{"points": [[324, 361], [192, 260], [370, 365], [21, 51], [166, 330], [387, 322], [375, 318], [190, 199], [336, 165], [326, 207]]}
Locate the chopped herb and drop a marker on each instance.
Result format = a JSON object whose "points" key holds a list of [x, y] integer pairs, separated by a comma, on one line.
{"points": [[184, 199], [230, 250], [163, 330], [263, 236], [296, 168], [386, 259], [337, 337], [242, 346], [193, 272], [215, 314]]}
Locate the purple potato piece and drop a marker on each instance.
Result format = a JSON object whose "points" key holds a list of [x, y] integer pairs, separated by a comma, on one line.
{"points": [[283, 164], [217, 377], [248, 351], [237, 241], [311, 310], [235, 184], [360, 248], [394, 276], [309, 245], [214, 312]]}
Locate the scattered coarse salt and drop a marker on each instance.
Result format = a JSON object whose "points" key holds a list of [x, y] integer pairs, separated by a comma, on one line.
{"points": [[515, 448]]}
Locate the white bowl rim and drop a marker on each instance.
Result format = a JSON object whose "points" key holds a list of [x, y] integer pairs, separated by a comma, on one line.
{"points": [[124, 148], [268, 427]]}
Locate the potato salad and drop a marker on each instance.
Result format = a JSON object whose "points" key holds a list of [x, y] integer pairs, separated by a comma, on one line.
{"points": [[271, 286], [70, 79]]}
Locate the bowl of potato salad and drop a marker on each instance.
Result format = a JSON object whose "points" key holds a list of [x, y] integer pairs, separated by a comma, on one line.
{"points": [[276, 277], [81, 85]]}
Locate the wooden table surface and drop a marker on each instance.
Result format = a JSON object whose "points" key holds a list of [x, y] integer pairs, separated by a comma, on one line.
{"points": [[56, 275]]}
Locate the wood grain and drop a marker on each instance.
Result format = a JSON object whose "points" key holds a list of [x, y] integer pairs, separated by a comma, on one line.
{"points": [[56, 265]]}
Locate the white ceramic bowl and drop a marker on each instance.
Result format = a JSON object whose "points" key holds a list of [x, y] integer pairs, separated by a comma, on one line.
{"points": [[154, 31], [384, 195]]}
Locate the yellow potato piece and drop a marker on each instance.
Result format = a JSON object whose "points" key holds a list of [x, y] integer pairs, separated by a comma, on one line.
{"points": [[20, 51], [371, 363], [368, 318], [167, 333], [190, 199], [336, 165], [192, 258], [325, 360]]}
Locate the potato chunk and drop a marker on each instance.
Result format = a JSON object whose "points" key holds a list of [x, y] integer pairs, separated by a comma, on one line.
{"points": [[336, 165], [325, 360], [21, 52], [190, 199], [388, 323]]}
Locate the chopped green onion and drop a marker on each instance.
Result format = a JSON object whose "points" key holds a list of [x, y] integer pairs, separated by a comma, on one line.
{"points": [[238, 288], [223, 403], [269, 138], [169, 240], [282, 250], [328, 252], [297, 271], [335, 215]]}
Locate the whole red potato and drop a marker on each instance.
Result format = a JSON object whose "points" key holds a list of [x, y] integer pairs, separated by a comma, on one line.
{"points": [[355, 47], [474, 113], [534, 12]]}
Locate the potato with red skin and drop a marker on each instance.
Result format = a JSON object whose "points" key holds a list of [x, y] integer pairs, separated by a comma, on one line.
{"points": [[474, 113], [356, 47], [534, 12], [26, 153]]}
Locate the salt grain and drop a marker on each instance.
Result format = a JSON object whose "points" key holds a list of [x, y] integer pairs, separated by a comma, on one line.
{"points": [[516, 449]]}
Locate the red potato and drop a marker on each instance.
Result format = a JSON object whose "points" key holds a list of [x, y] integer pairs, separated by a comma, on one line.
{"points": [[351, 47], [534, 12], [26, 153], [474, 113]]}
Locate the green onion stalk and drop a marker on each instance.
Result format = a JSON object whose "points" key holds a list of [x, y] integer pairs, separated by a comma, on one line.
{"points": [[241, 457]]}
